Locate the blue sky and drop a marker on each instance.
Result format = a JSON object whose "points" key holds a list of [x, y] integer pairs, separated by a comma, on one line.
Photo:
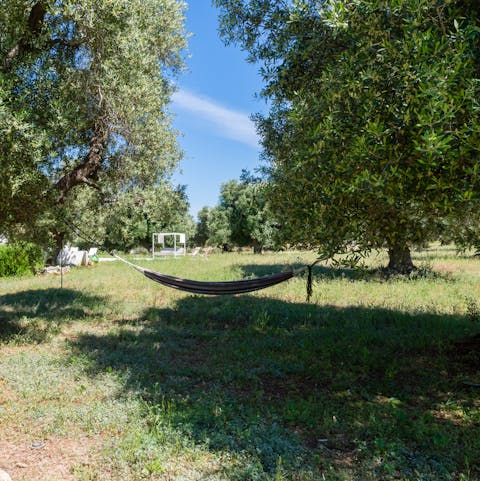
{"points": [[213, 105]]}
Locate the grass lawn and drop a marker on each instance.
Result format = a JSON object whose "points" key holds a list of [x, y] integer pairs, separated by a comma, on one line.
{"points": [[115, 377]]}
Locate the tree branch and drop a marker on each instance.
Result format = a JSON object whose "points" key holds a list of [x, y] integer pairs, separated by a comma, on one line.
{"points": [[34, 28], [64, 43], [92, 162]]}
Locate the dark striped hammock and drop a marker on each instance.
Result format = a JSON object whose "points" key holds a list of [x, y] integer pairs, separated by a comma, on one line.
{"points": [[222, 288], [213, 288]]}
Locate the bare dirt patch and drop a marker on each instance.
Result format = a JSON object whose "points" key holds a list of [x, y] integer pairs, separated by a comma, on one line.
{"points": [[48, 460]]}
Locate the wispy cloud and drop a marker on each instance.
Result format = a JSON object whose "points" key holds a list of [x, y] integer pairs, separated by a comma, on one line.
{"points": [[227, 122]]}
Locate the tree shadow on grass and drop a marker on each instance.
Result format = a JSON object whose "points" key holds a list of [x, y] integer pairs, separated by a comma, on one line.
{"points": [[323, 272], [33, 315], [319, 271], [314, 386]]}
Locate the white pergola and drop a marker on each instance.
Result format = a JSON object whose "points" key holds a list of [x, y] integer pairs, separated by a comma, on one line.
{"points": [[179, 244]]}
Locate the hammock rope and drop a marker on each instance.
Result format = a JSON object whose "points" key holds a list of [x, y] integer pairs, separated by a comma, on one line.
{"points": [[212, 288]]}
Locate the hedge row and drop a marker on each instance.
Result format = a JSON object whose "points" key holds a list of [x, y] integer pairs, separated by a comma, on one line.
{"points": [[18, 259]]}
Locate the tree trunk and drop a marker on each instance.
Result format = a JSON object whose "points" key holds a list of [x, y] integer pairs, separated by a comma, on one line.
{"points": [[257, 248], [59, 241], [31, 41], [84, 172], [400, 260], [28, 42]]}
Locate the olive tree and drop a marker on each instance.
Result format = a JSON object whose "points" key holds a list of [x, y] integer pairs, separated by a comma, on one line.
{"points": [[243, 217], [373, 133], [84, 89]]}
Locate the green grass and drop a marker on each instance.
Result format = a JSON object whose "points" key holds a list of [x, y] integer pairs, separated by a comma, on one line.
{"points": [[363, 383]]}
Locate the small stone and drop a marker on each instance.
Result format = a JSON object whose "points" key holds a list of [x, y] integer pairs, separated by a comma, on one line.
{"points": [[37, 445], [4, 476], [21, 465]]}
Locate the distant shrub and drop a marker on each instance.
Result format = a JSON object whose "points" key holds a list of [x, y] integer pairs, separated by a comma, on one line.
{"points": [[18, 259]]}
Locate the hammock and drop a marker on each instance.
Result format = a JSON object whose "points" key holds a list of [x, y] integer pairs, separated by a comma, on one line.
{"points": [[218, 288], [214, 288]]}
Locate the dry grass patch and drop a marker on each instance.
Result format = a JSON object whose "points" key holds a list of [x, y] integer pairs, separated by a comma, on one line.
{"points": [[52, 459]]}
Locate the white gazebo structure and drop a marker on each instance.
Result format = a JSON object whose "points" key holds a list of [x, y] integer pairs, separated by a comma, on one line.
{"points": [[179, 244]]}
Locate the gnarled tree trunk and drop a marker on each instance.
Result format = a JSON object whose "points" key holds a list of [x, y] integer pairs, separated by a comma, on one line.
{"points": [[85, 171], [400, 260]]}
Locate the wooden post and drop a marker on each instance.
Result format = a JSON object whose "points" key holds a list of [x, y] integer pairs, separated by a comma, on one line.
{"points": [[61, 267]]}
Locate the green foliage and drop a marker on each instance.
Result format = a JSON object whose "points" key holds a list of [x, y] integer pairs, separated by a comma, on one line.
{"points": [[19, 259], [464, 228], [373, 134], [218, 224], [201, 229], [84, 90], [135, 215], [242, 217], [130, 217]]}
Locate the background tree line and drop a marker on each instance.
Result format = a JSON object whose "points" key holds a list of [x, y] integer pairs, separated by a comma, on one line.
{"points": [[242, 217]]}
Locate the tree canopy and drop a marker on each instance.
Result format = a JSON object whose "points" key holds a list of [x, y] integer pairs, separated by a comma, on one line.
{"points": [[242, 217], [84, 89], [373, 133], [130, 217]]}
